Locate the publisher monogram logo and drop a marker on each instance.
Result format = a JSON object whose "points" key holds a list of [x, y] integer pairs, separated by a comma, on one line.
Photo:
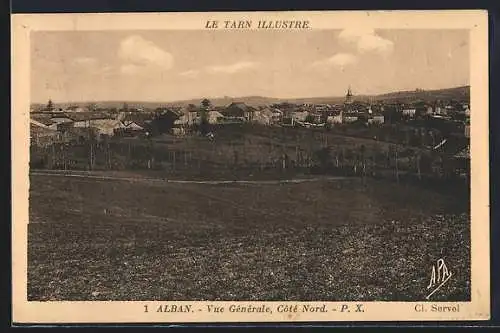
{"points": [[439, 276]]}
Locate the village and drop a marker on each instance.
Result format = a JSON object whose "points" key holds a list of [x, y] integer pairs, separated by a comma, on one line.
{"points": [[204, 136], [51, 124]]}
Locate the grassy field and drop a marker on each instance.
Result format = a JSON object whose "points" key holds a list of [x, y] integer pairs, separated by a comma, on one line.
{"points": [[234, 147], [330, 240]]}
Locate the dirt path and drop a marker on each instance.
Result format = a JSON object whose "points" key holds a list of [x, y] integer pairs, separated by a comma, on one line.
{"points": [[87, 175]]}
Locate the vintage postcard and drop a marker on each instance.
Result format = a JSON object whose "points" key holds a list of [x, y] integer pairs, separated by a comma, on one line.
{"points": [[250, 167]]}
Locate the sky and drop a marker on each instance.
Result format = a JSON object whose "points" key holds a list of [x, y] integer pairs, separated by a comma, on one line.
{"points": [[164, 66]]}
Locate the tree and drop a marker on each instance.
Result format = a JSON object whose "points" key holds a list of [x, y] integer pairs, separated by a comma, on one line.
{"points": [[362, 151], [323, 157], [396, 158], [418, 159], [204, 123], [425, 162], [205, 103], [50, 105], [163, 121], [91, 107]]}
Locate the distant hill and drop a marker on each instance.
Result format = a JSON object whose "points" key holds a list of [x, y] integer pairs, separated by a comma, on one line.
{"points": [[457, 93], [223, 101]]}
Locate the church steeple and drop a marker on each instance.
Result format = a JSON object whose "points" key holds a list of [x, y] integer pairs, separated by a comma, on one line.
{"points": [[348, 96]]}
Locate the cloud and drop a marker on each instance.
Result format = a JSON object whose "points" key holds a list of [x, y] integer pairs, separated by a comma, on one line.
{"points": [[92, 66], [222, 69], [233, 68], [107, 69], [339, 60], [131, 69], [192, 73], [375, 43], [85, 61], [142, 52], [367, 40], [355, 33]]}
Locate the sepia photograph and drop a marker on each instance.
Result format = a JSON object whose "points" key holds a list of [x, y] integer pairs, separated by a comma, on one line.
{"points": [[250, 161]]}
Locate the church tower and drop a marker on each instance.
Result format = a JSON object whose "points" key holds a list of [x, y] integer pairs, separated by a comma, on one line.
{"points": [[348, 96]]}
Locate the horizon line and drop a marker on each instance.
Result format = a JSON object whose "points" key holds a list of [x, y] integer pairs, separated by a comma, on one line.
{"points": [[247, 96]]}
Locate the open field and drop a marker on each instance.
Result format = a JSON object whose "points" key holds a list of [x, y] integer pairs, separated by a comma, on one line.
{"points": [[108, 239]]}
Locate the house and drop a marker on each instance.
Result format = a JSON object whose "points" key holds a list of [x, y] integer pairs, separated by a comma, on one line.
{"points": [[235, 110], [103, 125], [106, 126], [440, 111], [42, 135], [321, 107], [409, 112], [449, 109], [238, 111], [277, 115], [83, 116], [39, 123], [335, 118], [122, 115], [178, 126], [379, 118], [467, 128], [350, 117], [179, 130], [314, 118], [186, 119], [61, 119], [376, 119], [299, 115], [191, 117], [131, 126], [188, 113], [263, 117], [138, 127], [267, 116], [135, 121], [60, 123], [214, 117], [467, 111], [44, 121]]}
